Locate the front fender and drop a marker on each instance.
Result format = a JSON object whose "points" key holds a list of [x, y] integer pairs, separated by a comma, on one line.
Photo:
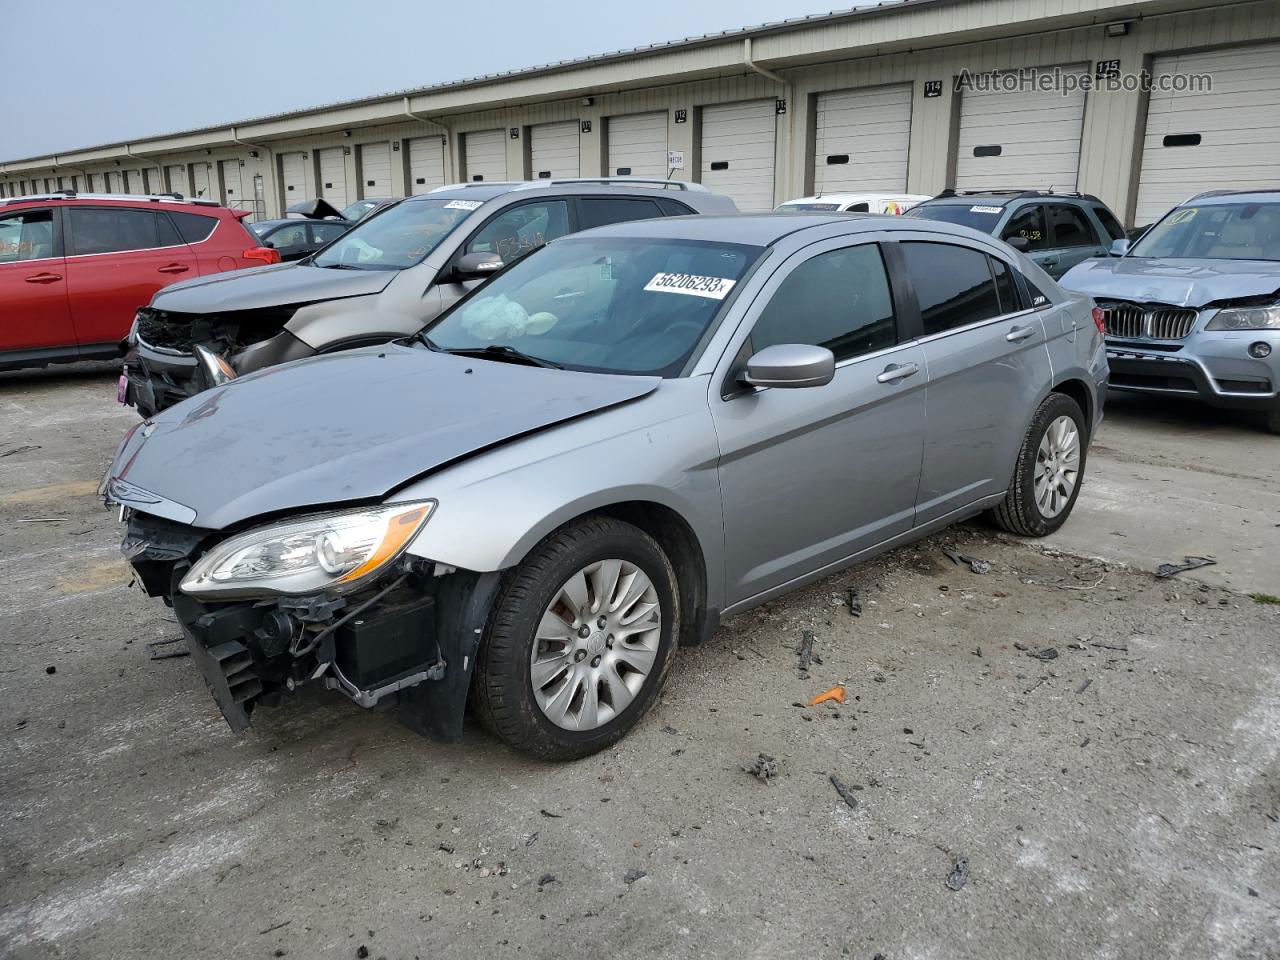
{"points": [[494, 507]]}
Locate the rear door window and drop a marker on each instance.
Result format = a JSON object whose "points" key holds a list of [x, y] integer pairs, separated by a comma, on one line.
{"points": [[953, 285], [598, 211], [1070, 227], [1010, 301], [1028, 223], [324, 232], [111, 230]]}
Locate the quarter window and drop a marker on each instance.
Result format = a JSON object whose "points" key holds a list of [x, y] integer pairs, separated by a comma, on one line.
{"points": [[116, 230], [517, 230], [193, 226], [26, 236], [953, 285], [1109, 223], [839, 300], [1028, 223], [1070, 227]]}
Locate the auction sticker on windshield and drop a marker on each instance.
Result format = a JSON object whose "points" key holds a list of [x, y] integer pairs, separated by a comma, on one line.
{"points": [[982, 209], [713, 288], [463, 204]]}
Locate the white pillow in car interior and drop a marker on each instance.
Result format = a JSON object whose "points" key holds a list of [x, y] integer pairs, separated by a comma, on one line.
{"points": [[494, 317]]}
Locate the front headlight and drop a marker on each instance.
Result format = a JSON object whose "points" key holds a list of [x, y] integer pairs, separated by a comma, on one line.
{"points": [[1246, 318], [333, 552]]}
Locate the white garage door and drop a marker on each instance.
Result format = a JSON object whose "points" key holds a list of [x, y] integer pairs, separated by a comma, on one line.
{"points": [[133, 182], [1224, 138], [553, 150], [426, 164], [486, 155], [177, 174], [97, 183], [861, 139], [737, 152], [1020, 139], [375, 169], [333, 176], [293, 178], [638, 145], [233, 194], [200, 181]]}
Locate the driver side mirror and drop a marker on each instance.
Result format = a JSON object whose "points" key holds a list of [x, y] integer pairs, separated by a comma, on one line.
{"points": [[1119, 248], [1019, 243], [476, 266], [790, 365]]}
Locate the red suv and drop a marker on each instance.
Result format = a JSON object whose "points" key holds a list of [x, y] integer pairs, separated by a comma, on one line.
{"points": [[74, 268]]}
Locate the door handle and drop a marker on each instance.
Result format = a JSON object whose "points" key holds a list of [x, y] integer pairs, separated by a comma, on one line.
{"points": [[44, 278], [174, 268], [1019, 333], [898, 371]]}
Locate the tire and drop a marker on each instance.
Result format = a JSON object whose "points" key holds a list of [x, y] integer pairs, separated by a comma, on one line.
{"points": [[1272, 419], [503, 691], [1021, 512]]}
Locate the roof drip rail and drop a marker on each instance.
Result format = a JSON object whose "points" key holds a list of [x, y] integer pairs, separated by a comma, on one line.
{"points": [[624, 181]]}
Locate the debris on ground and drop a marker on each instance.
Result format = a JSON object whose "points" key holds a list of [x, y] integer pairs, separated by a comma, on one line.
{"points": [[45, 520], [1083, 687], [805, 651], [1265, 598], [844, 791], [1166, 570], [51, 669], [973, 563], [959, 875], [12, 451], [632, 876], [764, 768], [545, 879], [158, 653], [835, 693], [548, 813], [669, 730], [1048, 653], [853, 602]]}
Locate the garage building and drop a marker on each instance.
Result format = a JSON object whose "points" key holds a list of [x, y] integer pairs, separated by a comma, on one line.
{"points": [[1150, 102]]}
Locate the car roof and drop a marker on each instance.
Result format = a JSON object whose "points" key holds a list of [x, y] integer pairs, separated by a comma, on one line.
{"points": [[487, 190], [71, 196], [763, 229], [854, 197], [1000, 198], [1259, 195]]}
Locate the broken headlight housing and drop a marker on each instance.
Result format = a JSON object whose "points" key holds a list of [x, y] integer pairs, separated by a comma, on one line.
{"points": [[330, 552], [1246, 318]]}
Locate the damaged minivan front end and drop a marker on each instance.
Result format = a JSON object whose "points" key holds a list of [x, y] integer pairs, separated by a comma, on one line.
{"points": [[329, 598]]}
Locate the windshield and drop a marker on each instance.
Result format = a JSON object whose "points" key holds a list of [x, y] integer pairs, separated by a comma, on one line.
{"points": [[1219, 231], [396, 238], [979, 216], [358, 209], [609, 305]]}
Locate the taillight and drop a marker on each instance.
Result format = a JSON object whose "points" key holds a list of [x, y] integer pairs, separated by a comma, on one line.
{"points": [[265, 254], [1100, 320]]}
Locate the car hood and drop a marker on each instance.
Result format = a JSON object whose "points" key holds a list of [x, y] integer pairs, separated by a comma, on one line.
{"points": [[275, 286], [1186, 283], [341, 428]]}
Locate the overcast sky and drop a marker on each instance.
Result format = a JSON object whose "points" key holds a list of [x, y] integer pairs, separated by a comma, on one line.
{"points": [[84, 73]]}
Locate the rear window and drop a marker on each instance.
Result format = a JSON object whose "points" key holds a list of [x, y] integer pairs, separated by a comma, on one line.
{"points": [[980, 216], [192, 226]]}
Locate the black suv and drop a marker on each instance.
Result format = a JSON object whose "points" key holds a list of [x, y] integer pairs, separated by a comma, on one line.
{"points": [[1057, 230], [384, 279]]}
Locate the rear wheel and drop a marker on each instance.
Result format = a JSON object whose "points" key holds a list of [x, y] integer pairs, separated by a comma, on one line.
{"points": [[1050, 468], [580, 641]]}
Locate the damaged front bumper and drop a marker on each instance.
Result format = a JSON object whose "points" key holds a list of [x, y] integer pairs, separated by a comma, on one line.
{"points": [[161, 367], [411, 637]]}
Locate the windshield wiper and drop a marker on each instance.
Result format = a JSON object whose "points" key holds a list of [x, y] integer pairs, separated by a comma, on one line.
{"points": [[336, 266], [497, 352]]}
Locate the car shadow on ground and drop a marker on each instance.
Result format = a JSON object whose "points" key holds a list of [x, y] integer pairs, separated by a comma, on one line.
{"points": [[53, 376]]}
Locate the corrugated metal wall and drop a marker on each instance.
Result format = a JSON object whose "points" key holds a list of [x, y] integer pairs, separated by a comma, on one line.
{"points": [[1111, 136]]}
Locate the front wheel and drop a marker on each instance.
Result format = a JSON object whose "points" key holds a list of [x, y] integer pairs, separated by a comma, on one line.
{"points": [[1272, 419], [580, 640], [1049, 471]]}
